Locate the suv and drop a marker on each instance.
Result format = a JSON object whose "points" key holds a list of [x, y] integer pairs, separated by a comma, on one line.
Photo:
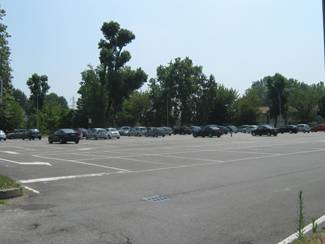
{"points": [[18, 133], [97, 133], [137, 131], [31, 134], [182, 130]]}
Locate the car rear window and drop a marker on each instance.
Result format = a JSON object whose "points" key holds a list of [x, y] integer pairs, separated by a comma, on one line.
{"points": [[102, 130]]}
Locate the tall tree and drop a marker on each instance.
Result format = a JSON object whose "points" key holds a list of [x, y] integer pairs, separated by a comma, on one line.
{"points": [[92, 103], [261, 90], [6, 111], [118, 79], [38, 87], [223, 102], [180, 82], [247, 111], [277, 91], [53, 97], [303, 105]]}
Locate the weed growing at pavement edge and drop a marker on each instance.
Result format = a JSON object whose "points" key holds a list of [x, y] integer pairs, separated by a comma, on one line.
{"points": [[301, 218]]}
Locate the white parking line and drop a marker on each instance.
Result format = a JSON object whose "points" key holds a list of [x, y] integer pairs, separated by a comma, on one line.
{"points": [[26, 163], [78, 162], [31, 189], [10, 152]]}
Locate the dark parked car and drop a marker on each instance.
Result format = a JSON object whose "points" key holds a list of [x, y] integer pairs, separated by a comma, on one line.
{"points": [[264, 130], [208, 131], [319, 127], [288, 128], [18, 133], [64, 135], [31, 134], [182, 130], [155, 132]]}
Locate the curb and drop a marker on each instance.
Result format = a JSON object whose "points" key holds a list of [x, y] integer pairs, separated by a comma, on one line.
{"points": [[11, 193]]}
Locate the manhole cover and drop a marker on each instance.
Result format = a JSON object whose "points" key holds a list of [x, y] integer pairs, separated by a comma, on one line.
{"points": [[156, 198]]}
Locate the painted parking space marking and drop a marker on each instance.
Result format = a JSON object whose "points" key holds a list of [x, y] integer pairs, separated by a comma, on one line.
{"points": [[31, 189], [78, 162], [11, 152], [83, 149], [26, 163]]}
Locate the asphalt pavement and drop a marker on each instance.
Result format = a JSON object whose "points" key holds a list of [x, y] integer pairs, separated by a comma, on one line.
{"points": [[176, 189]]}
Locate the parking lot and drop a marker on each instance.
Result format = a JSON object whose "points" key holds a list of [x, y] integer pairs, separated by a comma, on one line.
{"points": [[176, 189]]}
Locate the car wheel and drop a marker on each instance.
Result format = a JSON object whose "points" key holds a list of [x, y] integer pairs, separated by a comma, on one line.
{"points": [[194, 135], [50, 141], [182, 133], [170, 134], [128, 134], [156, 135], [96, 138], [33, 138], [61, 141], [163, 135], [244, 131], [281, 132], [118, 137], [312, 131], [253, 134], [268, 134], [304, 131], [290, 131], [275, 134], [4, 139], [146, 135], [40, 138], [210, 135], [218, 136], [86, 137], [109, 137], [76, 142], [23, 138]]}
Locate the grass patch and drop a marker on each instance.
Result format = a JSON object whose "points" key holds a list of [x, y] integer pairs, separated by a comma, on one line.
{"points": [[316, 238], [4, 202], [6, 182]]}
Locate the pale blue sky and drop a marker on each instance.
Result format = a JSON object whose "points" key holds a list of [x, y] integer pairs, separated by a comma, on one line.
{"points": [[238, 41]]}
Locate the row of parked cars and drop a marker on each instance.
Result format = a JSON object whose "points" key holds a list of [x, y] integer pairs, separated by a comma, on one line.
{"points": [[271, 130]]}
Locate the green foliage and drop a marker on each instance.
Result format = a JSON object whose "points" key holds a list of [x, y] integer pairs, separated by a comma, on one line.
{"points": [[261, 90], [277, 84], [6, 112], [38, 87], [248, 112], [302, 105], [92, 103], [6, 182], [56, 100], [300, 222], [223, 106], [118, 80], [315, 225]]}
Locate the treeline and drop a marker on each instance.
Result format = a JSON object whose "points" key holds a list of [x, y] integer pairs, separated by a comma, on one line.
{"points": [[180, 93]]}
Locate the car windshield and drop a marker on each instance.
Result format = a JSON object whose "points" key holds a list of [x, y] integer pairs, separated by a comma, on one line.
{"points": [[34, 130], [113, 129]]}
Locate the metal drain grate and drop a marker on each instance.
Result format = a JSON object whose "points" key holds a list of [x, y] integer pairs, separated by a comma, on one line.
{"points": [[156, 198]]}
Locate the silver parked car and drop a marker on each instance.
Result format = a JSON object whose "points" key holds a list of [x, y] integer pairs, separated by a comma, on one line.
{"points": [[137, 131], [97, 133], [112, 132], [124, 130], [249, 128], [304, 128]]}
